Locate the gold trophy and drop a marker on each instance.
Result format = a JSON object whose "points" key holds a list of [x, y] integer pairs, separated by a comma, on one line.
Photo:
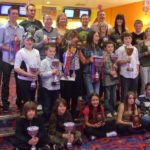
{"points": [[136, 120], [129, 51]]}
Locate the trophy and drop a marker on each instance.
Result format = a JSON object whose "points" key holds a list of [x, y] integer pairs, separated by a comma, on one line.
{"points": [[55, 65], [34, 69], [69, 127], [136, 120], [33, 131], [114, 58], [129, 51], [97, 63]]}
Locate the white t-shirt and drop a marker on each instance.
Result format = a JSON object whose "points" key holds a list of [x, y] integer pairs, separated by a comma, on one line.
{"points": [[30, 58]]}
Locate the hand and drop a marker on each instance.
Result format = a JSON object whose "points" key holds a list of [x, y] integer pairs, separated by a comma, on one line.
{"points": [[98, 125], [55, 72], [68, 137], [128, 59], [91, 59], [45, 39], [32, 75], [137, 126], [33, 141]]}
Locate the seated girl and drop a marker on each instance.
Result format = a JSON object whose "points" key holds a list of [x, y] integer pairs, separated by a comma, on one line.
{"points": [[57, 133], [94, 116], [128, 120], [23, 140]]}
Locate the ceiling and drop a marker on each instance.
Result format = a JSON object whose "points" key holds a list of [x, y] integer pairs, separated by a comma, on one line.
{"points": [[77, 3]]}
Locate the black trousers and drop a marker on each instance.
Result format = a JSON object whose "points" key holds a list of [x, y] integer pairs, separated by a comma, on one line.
{"points": [[6, 71]]}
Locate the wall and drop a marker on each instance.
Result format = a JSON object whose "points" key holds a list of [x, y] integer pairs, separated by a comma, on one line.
{"points": [[131, 12]]}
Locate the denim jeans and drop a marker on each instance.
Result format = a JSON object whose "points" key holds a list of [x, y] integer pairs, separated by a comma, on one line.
{"points": [[128, 84], [91, 86], [145, 77], [110, 98], [145, 120]]}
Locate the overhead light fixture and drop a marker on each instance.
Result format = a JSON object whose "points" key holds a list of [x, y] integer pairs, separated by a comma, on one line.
{"points": [[48, 2]]}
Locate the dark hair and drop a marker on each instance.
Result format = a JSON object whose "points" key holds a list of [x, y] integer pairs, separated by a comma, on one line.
{"points": [[126, 34], [29, 105], [147, 85], [138, 22], [13, 8], [90, 41], [120, 17], [27, 6], [126, 100], [57, 103], [84, 15], [109, 42], [91, 107]]}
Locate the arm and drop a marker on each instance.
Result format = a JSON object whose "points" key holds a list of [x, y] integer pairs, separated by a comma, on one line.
{"points": [[120, 116], [83, 59]]}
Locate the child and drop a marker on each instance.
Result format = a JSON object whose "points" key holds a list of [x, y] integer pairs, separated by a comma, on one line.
{"points": [[126, 112], [57, 133], [27, 62], [94, 116], [110, 79], [50, 71], [128, 61], [23, 141]]}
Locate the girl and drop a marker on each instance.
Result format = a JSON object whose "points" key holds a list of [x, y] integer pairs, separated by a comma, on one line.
{"points": [[87, 59], [126, 111], [118, 29], [94, 117], [57, 132], [23, 140]]}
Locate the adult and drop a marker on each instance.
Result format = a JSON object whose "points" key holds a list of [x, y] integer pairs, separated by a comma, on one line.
{"points": [[10, 42], [31, 24]]}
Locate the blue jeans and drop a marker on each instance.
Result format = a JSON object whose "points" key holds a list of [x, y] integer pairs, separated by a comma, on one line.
{"points": [[145, 120], [110, 98], [91, 87]]}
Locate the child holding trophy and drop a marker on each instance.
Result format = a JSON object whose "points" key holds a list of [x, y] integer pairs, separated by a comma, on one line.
{"points": [[128, 60], [110, 80], [50, 71], [30, 131]]}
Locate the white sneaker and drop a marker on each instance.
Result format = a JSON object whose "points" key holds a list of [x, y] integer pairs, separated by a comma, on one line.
{"points": [[115, 114], [39, 107], [109, 115]]}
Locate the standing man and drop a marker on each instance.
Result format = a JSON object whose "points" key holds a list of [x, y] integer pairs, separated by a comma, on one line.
{"points": [[31, 24], [10, 42]]}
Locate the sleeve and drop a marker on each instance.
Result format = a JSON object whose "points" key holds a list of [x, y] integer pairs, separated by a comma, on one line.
{"points": [[137, 56], [18, 60], [86, 111], [19, 132], [2, 36], [52, 126], [43, 71], [139, 47]]}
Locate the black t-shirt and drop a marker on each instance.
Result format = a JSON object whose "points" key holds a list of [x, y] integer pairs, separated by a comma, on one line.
{"points": [[31, 26], [137, 37]]}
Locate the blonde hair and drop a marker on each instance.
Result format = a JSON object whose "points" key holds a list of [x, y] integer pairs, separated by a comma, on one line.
{"points": [[146, 30], [58, 18], [101, 24]]}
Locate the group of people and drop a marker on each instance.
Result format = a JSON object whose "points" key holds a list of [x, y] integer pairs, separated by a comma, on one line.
{"points": [[75, 64]]}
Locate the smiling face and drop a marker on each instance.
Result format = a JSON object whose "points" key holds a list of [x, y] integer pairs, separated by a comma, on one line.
{"points": [[28, 43], [13, 15], [85, 20], [127, 40], [47, 21], [131, 99], [95, 101], [31, 114], [61, 109], [109, 48], [51, 52], [31, 11], [96, 38]]}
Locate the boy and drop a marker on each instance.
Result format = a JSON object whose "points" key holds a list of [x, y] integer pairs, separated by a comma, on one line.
{"points": [[50, 71], [110, 78], [128, 61]]}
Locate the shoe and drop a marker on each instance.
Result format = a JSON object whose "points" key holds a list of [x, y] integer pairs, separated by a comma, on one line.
{"points": [[39, 107], [115, 114], [109, 115], [46, 147]]}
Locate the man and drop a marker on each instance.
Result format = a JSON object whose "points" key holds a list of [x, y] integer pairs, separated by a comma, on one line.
{"points": [[10, 42], [101, 16], [31, 24], [45, 35]]}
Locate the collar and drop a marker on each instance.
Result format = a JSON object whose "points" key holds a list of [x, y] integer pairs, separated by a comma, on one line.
{"points": [[49, 59], [48, 31], [9, 25]]}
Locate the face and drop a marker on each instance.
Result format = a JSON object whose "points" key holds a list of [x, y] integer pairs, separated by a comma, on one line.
{"points": [[148, 33], [51, 52], [85, 20], [102, 16], [131, 100], [119, 22], [147, 91], [61, 109], [127, 40], [109, 48], [31, 114], [31, 11], [104, 28], [138, 27], [74, 41], [28, 43], [95, 101], [62, 20], [48, 21], [96, 38], [13, 16]]}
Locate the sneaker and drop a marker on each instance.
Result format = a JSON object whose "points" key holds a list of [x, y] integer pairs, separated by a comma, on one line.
{"points": [[115, 114], [39, 107], [109, 115]]}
